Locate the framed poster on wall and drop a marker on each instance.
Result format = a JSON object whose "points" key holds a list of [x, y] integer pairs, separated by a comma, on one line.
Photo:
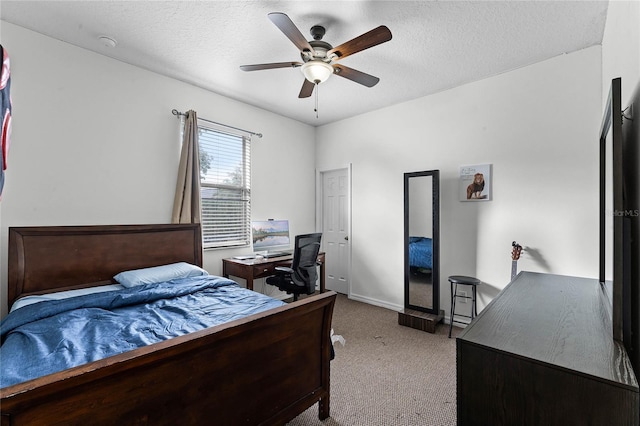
{"points": [[475, 183]]}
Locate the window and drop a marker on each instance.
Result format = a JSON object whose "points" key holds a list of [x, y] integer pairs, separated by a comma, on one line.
{"points": [[225, 190]]}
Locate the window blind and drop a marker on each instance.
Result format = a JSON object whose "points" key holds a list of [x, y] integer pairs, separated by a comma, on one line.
{"points": [[225, 173]]}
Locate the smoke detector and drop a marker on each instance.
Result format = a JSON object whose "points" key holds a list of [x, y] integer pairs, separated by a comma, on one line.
{"points": [[107, 41]]}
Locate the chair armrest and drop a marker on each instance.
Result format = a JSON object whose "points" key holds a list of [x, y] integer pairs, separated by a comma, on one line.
{"points": [[284, 269]]}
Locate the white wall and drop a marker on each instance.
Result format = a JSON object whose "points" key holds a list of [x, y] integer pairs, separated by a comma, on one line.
{"points": [[621, 48], [94, 142], [420, 206], [537, 125]]}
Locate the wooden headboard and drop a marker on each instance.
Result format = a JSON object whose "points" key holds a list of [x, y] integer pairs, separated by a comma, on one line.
{"points": [[43, 259]]}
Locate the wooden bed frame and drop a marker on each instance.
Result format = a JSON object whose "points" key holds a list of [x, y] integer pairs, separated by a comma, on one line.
{"points": [[263, 369]]}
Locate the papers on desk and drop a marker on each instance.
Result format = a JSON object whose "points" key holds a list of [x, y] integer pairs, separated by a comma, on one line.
{"points": [[266, 255], [245, 257]]}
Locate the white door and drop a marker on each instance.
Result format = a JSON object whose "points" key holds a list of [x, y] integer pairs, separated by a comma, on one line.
{"points": [[335, 228]]}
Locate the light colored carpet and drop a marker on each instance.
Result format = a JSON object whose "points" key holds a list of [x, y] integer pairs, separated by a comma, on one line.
{"points": [[387, 374]]}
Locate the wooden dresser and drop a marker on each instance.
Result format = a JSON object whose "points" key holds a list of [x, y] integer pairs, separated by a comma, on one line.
{"points": [[542, 353]]}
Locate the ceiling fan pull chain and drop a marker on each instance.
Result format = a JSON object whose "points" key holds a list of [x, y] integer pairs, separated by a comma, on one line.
{"points": [[316, 108]]}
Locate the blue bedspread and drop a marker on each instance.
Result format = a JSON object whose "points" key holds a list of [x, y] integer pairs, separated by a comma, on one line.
{"points": [[420, 252], [52, 336]]}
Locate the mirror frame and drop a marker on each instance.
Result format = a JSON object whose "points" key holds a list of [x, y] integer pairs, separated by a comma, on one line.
{"points": [[435, 272]]}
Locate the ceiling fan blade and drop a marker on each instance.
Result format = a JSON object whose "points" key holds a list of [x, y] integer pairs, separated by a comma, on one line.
{"points": [[355, 75], [307, 89], [258, 67], [286, 25], [369, 39]]}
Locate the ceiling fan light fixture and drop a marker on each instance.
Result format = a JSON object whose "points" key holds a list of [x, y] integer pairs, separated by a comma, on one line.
{"points": [[317, 71]]}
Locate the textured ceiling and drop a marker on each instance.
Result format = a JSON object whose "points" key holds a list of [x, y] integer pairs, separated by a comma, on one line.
{"points": [[436, 45]]}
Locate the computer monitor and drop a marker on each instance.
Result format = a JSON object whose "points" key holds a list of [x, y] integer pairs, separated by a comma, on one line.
{"points": [[270, 236]]}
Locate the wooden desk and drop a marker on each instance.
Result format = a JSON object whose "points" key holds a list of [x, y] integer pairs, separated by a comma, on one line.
{"points": [[251, 269]]}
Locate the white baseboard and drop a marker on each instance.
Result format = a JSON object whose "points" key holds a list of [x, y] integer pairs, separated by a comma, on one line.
{"points": [[376, 302], [446, 320]]}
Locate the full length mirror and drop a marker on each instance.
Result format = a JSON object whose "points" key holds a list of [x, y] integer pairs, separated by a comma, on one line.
{"points": [[421, 241]]}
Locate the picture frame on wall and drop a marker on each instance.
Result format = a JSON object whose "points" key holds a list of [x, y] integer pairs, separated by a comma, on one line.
{"points": [[475, 183]]}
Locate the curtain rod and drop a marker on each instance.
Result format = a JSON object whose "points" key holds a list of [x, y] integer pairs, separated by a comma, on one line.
{"points": [[176, 112]]}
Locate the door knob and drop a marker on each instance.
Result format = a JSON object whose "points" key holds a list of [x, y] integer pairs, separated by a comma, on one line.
{"points": [[346, 238]]}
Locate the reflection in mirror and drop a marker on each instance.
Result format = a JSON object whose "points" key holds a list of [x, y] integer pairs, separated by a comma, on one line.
{"points": [[421, 251], [420, 222]]}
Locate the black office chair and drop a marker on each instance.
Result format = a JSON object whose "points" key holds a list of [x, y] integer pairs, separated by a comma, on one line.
{"points": [[301, 277]]}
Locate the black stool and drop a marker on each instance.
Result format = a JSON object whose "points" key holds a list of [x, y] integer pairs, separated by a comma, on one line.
{"points": [[462, 280]]}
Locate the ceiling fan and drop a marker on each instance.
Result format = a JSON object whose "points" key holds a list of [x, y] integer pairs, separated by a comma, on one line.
{"points": [[319, 57]]}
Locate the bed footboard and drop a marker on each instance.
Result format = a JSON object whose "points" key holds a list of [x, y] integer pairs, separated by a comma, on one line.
{"points": [[260, 370]]}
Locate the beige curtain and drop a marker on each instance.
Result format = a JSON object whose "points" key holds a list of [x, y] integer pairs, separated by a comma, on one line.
{"points": [[186, 205]]}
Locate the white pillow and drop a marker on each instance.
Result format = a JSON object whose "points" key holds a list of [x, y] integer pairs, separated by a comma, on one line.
{"points": [[29, 300], [158, 274]]}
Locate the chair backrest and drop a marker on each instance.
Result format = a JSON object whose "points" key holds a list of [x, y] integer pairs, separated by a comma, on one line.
{"points": [[305, 255]]}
